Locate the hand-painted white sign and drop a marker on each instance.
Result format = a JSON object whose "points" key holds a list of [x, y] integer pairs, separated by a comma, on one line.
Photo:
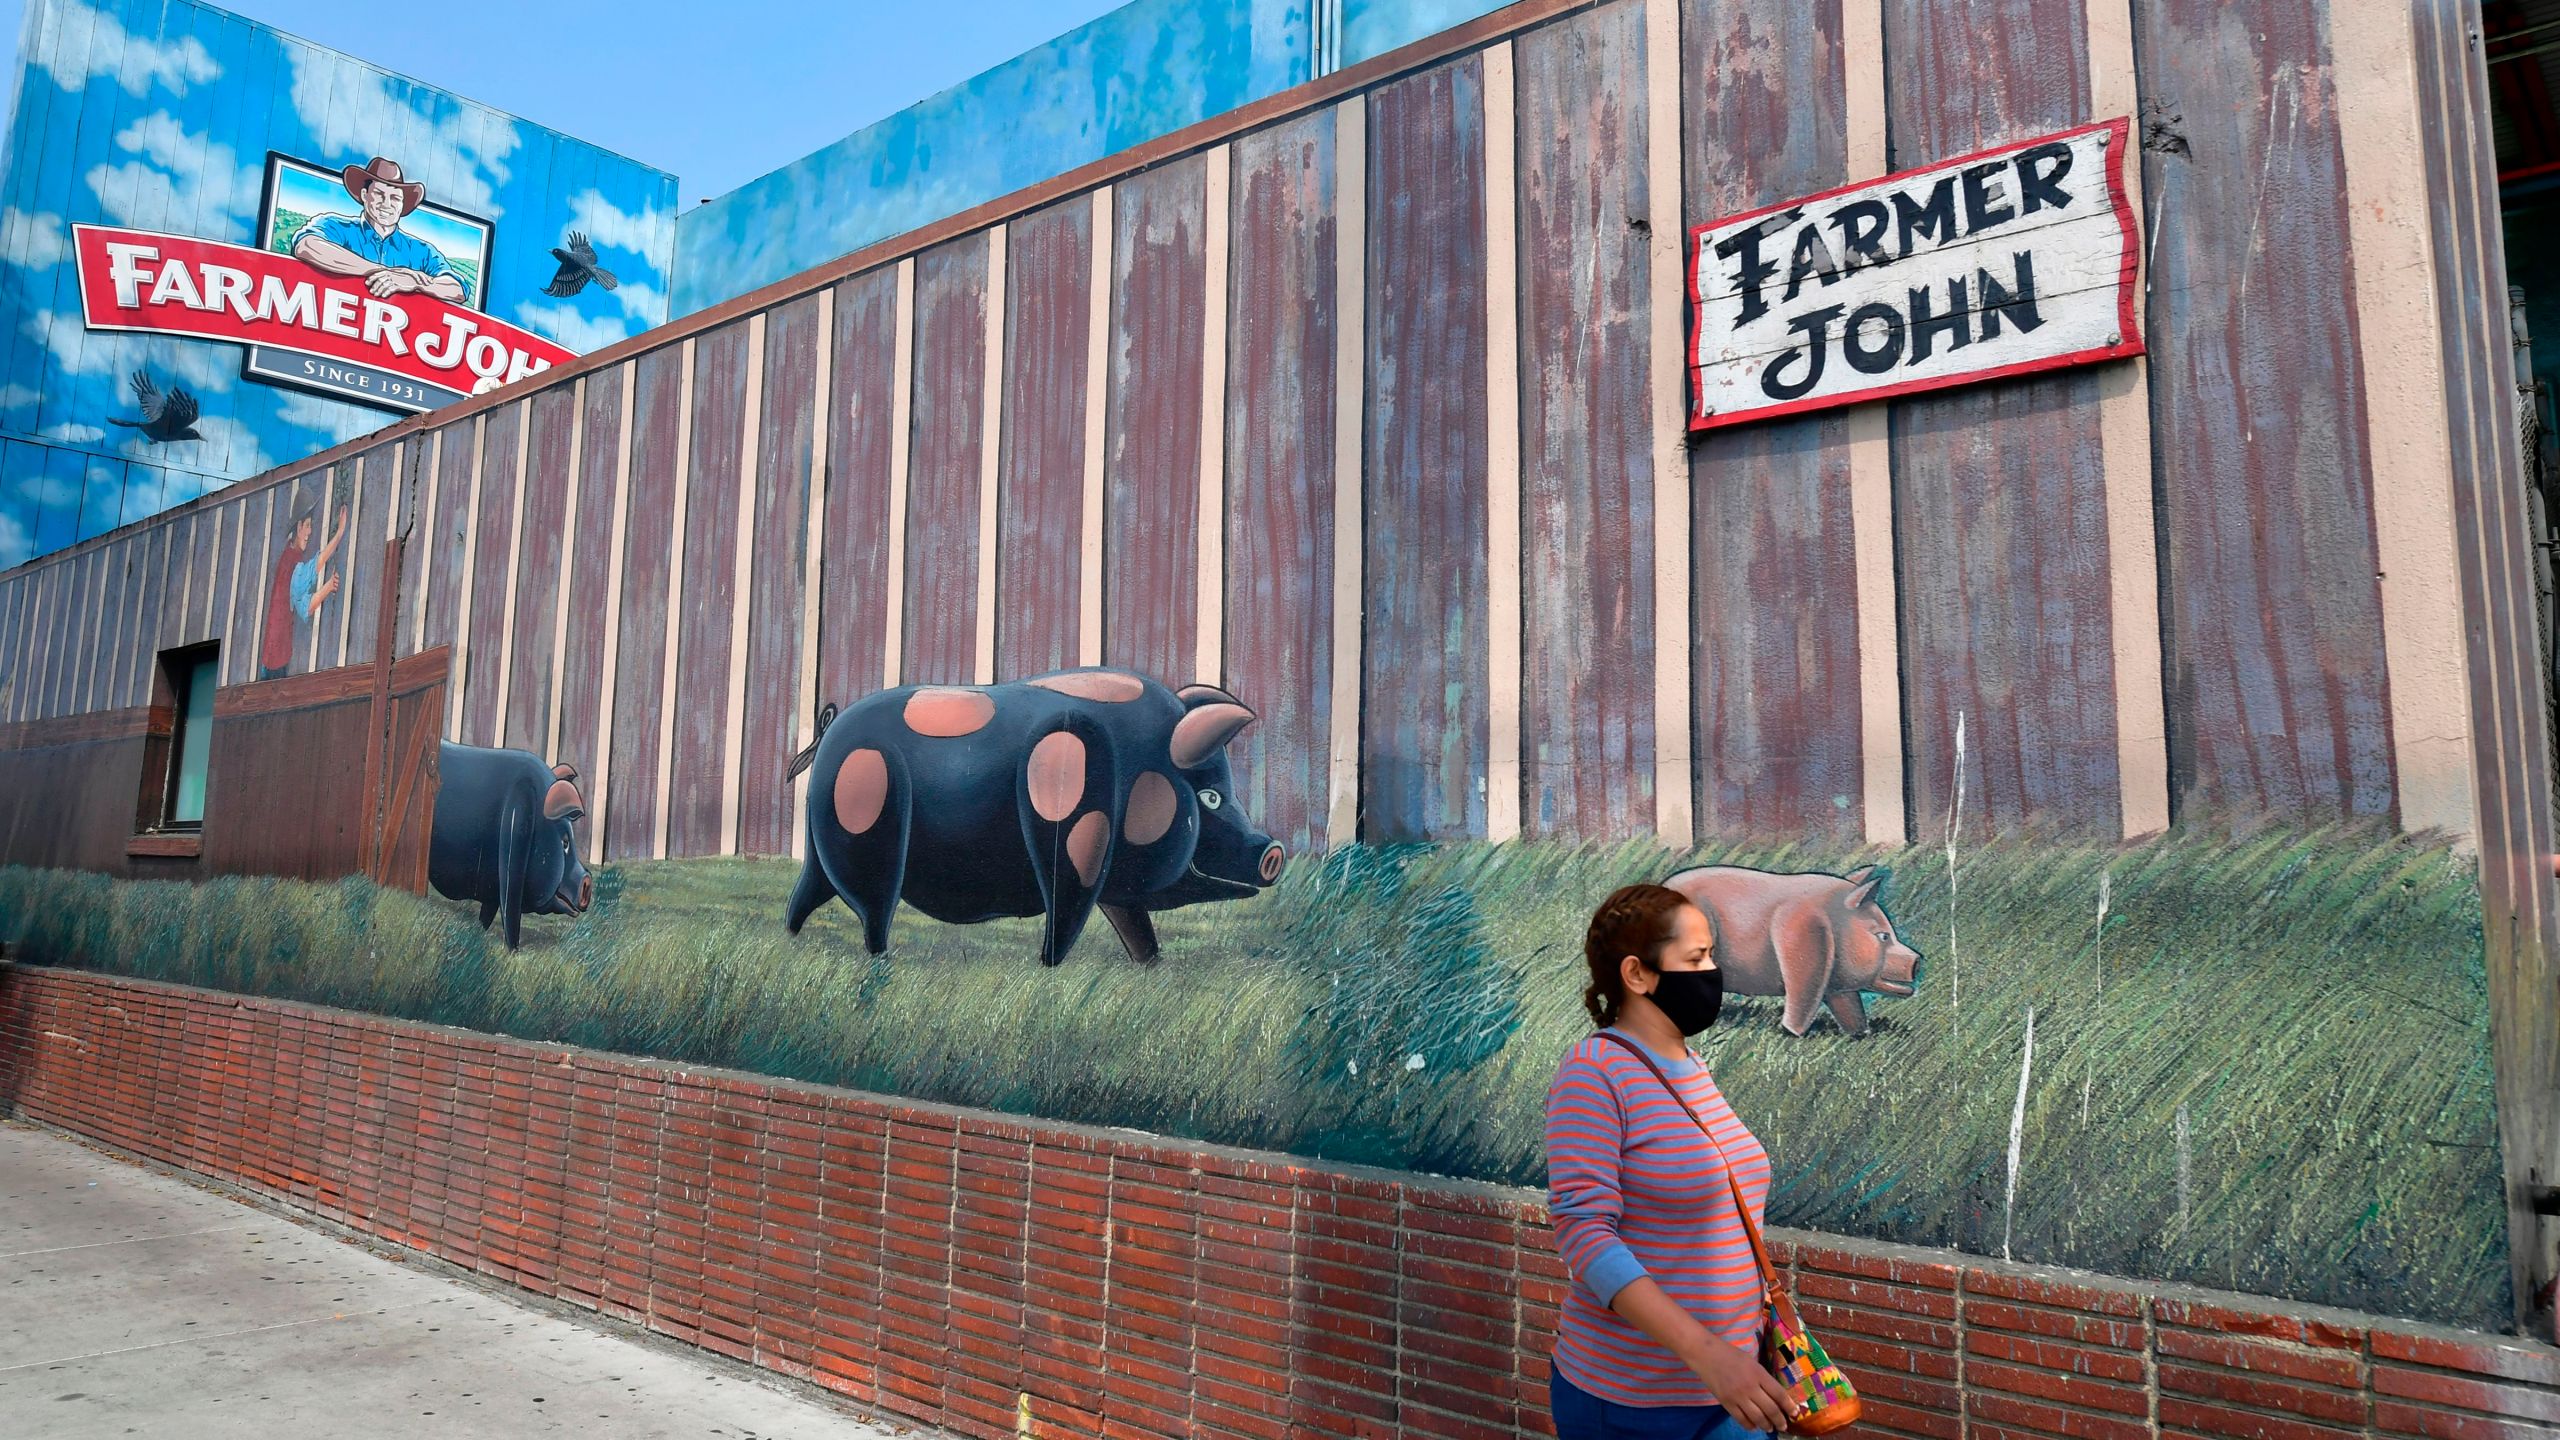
{"points": [[2008, 261]]}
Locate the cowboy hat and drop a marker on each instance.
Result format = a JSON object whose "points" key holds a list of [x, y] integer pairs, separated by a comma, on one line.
{"points": [[388, 172]]}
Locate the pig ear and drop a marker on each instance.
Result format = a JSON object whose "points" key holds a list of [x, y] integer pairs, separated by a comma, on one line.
{"points": [[564, 771], [1195, 696], [561, 801], [1870, 887], [1205, 731], [1861, 873]]}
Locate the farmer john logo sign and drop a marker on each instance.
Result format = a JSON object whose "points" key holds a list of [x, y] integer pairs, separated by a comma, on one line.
{"points": [[2009, 261], [362, 290]]}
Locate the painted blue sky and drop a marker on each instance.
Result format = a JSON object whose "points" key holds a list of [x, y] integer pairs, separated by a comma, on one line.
{"points": [[159, 115], [715, 94]]}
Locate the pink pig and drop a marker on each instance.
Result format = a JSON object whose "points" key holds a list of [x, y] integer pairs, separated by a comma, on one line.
{"points": [[1816, 939]]}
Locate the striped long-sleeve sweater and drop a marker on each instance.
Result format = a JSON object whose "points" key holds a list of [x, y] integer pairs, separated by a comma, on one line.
{"points": [[1636, 1190]]}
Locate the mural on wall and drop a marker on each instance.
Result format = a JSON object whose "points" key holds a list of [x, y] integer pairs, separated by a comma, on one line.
{"points": [[216, 142], [302, 582], [2250, 1050], [1822, 941], [1068, 792], [505, 836]]}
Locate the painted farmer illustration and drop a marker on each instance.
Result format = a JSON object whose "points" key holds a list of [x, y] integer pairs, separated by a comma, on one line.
{"points": [[371, 245], [302, 584]]}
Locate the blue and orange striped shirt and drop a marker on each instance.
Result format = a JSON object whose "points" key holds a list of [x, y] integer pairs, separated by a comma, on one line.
{"points": [[1636, 1190]]}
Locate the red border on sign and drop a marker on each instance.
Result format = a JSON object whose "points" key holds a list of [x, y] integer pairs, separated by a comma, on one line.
{"points": [[2121, 132]]}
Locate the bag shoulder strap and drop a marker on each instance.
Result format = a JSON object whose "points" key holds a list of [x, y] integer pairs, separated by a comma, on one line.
{"points": [[1741, 1205]]}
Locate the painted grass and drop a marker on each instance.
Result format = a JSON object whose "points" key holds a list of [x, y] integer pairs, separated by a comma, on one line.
{"points": [[2279, 1085]]}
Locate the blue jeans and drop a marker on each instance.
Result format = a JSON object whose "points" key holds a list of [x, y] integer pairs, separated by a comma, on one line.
{"points": [[1582, 1416]]}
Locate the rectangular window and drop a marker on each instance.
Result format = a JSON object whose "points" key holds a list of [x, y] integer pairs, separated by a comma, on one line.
{"points": [[192, 744], [179, 750]]}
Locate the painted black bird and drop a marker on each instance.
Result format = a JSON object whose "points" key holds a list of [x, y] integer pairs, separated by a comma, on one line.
{"points": [[164, 417], [577, 267]]}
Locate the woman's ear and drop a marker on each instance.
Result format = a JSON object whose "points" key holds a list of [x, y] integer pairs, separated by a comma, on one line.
{"points": [[1632, 975]]}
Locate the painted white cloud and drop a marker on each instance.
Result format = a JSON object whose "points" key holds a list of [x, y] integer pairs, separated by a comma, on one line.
{"points": [[648, 232], [227, 445], [563, 322], [358, 111], [136, 62], [77, 351], [46, 490], [644, 304], [72, 433], [183, 178], [16, 545], [35, 240], [334, 421], [16, 397]]}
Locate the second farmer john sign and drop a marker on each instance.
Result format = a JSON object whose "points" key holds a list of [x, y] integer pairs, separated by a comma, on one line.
{"points": [[2010, 261]]}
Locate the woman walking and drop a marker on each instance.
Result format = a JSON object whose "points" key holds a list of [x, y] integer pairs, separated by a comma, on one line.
{"points": [[1660, 1330]]}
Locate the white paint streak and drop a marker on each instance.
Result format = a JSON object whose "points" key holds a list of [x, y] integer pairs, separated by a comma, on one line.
{"points": [[1502, 449], [813, 550], [675, 610], [742, 590], [2389, 213], [2124, 439], [610, 675], [1350, 379], [990, 458], [426, 529], [2017, 1136], [568, 565], [902, 371], [460, 673], [2106, 897], [1955, 832], [515, 574], [1097, 396], [1674, 694], [1209, 644], [1887, 818]]}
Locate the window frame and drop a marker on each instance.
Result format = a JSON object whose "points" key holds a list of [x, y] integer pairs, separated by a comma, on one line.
{"points": [[165, 747]]}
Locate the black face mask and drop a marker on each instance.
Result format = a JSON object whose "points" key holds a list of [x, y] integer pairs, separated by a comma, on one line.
{"points": [[1690, 998]]}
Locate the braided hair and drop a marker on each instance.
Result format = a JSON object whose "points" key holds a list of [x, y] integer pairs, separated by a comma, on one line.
{"points": [[1635, 920]]}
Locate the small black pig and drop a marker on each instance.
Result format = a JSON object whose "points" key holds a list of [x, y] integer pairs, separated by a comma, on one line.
{"points": [[505, 836]]}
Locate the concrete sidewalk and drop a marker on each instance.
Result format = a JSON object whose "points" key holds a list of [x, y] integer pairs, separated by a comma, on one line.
{"points": [[135, 1303]]}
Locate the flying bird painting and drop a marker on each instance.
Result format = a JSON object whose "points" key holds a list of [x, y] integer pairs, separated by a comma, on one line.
{"points": [[577, 267], [164, 417]]}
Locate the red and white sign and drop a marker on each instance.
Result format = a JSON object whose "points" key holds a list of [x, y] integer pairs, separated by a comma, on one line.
{"points": [[412, 351], [2013, 260]]}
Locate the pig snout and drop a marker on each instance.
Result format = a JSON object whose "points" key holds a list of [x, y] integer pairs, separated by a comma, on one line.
{"points": [[576, 898], [1271, 861], [1901, 973]]}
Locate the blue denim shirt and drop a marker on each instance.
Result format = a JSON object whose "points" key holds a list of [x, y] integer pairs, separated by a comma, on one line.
{"points": [[398, 248]]}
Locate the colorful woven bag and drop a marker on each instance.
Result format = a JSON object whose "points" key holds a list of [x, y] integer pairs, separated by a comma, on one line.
{"points": [[1825, 1400]]}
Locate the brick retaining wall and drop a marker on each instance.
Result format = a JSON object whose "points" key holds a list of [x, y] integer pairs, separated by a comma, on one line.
{"points": [[967, 1269]]}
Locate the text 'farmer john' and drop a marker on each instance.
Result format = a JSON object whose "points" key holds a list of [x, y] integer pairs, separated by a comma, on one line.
{"points": [[2008, 261]]}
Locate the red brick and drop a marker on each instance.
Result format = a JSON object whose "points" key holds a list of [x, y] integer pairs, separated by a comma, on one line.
{"points": [[2199, 1315], [2391, 1417], [2049, 1419], [2486, 1356], [1877, 1295], [2098, 1364], [2187, 1417], [2055, 1324], [2259, 1392], [2264, 1357], [1885, 1417], [2514, 1402]]}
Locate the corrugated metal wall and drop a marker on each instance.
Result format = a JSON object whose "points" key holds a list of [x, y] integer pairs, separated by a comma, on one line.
{"points": [[1359, 409]]}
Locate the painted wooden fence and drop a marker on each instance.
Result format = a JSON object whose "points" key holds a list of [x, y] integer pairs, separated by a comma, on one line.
{"points": [[1366, 402]]}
